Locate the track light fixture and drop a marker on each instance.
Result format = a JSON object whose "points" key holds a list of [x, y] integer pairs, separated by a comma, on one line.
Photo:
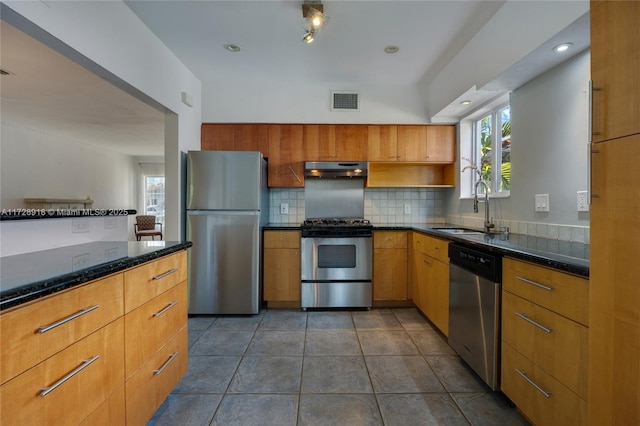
{"points": [[315, 19]]}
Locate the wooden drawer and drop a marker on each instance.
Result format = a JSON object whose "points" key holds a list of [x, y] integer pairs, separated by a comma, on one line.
{"points": [[554, 343], [281, 239], [73, 400], [390, 239], [146, 281], [565, 294], [152, 324], [434, 247], [561, 407], [150, 386], [109, 413], [79, 312]]}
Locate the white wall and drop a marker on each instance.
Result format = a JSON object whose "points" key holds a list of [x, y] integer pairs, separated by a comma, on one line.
{"points": [[38, 164], [113, 41], [272, 102], [549, 119]]}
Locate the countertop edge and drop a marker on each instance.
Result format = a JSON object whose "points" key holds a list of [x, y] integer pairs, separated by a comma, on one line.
{"points": [[34, 214], [576, 267], [36, 290]]}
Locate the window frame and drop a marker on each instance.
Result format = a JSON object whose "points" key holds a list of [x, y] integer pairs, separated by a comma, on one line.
{"points": [[470, 149]]}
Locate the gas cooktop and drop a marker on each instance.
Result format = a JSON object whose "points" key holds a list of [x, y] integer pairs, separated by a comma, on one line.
{"points": [[336, 222]]}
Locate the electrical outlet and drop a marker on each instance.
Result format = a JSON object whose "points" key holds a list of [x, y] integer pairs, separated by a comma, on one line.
{"points": [[284, 208], [79, 225], [407, 209], [583, 202], [542, 202]]}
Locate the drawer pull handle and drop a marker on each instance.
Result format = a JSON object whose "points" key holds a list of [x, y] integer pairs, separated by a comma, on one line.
{"points": [[161, 276], [166, 364], [532, 383], [169, 306], [85, 363], [45, 328], [535, 283], [529, 320]]}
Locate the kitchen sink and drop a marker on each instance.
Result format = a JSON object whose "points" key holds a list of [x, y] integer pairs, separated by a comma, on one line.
{"points": [[459, 231]]}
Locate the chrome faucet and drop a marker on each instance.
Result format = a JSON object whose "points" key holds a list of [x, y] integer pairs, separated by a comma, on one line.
{"points": [[488, 224]]}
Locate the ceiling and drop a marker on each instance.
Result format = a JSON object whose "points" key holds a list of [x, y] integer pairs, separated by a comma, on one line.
{"points": [[350, 49], [50, 93]]}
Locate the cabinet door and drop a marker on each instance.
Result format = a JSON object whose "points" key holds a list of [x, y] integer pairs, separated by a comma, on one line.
{"points": [[615, 68], [286, 155], [614, 293], [281, 274], [419, 278], [382, 143], [320, 142], [441, 144], [390, 274], [251, 137], [437, 297], [351, 142], [218, 137], [412, 143]]}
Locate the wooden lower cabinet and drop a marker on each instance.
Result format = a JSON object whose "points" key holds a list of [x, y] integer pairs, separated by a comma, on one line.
{"points": [[430, 279], [281, 271], [390, 266], [96, 366], [156, 378], [86, 359], [545, 342], [540, 397]]}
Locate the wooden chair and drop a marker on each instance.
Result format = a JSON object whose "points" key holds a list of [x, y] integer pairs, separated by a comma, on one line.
{"points": [[145, 226]]}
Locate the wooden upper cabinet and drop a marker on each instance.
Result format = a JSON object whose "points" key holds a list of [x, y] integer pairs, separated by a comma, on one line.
{"points": [[335, 142], [412, 143], [382, 144], [218, 137], [426, 143], [320, 142], [286, 155], [351, 142], [441, 143], [235, 137], [615, 68]]}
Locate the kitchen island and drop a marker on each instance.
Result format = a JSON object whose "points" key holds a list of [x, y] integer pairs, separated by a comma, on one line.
{"points": [[102, 323]]}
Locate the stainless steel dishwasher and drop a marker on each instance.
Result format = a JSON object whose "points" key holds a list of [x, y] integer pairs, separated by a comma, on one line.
{"points": [[474, 310]]}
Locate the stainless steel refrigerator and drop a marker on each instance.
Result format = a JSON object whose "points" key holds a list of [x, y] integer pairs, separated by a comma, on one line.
{"points": [[227, 204]]}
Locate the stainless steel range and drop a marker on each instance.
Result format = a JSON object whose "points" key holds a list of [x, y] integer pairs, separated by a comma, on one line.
{"points": [[337, 263]]}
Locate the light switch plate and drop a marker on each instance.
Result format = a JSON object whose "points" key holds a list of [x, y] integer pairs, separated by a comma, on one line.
{"points": [[284, 208], [407, 209], [542, 202]]}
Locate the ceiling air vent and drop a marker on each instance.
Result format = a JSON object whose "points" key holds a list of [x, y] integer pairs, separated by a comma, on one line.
{"points": [[344, 101]]}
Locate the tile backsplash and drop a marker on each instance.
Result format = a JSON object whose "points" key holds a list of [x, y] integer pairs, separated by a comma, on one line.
{"points": [[382, 206], [386, 206]]}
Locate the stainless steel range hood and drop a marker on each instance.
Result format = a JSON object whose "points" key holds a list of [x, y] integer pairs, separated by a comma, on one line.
{"points": [[335, 169]]}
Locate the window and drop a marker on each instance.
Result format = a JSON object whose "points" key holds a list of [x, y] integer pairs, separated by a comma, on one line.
{"points": [[154, 197], [489, 153]]}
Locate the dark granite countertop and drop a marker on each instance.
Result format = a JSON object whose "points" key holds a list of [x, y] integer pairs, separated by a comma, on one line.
{"points": [[29, 276], [30, 214], [565, 256]]}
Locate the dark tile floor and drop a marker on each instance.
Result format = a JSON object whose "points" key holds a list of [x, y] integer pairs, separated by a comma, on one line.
{"points": [[289, 367]]}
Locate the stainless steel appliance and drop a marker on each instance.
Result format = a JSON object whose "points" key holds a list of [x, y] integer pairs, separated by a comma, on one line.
{"points": [[337, 263], [474, 310], [226, 209]]}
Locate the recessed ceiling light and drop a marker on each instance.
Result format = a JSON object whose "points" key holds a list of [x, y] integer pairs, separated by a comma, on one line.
{"points": [[232, 47], [465, 103], [391, 49], [562, 47]]}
